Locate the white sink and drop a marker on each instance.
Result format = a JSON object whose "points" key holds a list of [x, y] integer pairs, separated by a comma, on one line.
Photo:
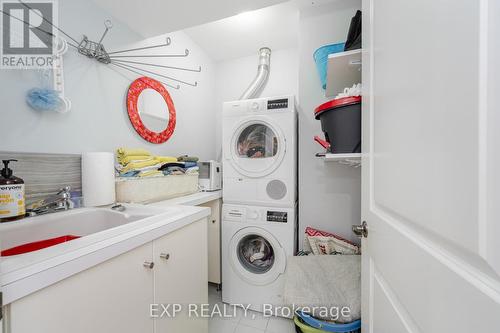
{"points": [[77, 222]]}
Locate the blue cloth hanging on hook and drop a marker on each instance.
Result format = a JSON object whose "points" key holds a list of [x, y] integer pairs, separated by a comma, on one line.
{"points": [[44, 100]]}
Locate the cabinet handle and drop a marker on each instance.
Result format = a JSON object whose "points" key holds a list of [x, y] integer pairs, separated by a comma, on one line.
{"points": [[213, 221], [165, 256], [149, 264]]}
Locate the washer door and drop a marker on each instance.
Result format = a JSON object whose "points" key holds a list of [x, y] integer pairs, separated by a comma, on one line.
{"points": [[257, 147], [256, 256]]}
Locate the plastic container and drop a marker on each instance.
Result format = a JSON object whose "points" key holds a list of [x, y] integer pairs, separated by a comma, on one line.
{"points": [[12, 200], [321, 58], [154, 189], [38, 245], [308, 324], [341, 122]]}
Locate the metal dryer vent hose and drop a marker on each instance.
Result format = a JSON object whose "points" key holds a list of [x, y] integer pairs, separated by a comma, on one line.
{"points": [[262, 74]]}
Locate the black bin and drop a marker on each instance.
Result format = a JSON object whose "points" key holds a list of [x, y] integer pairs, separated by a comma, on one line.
{"points": [[341, 122]]}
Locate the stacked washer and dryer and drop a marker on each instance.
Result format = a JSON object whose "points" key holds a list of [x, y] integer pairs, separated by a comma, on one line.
{"points": [[260, 198]]}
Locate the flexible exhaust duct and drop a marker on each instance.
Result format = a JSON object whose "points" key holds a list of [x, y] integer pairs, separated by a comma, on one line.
{"points": [[260, 80]]}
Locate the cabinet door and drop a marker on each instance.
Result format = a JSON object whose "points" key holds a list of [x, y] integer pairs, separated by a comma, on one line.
{"points": [[181, 276], [214, 269], [114, 296]]}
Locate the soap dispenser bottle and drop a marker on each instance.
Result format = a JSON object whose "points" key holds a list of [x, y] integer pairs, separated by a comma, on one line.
{"points": [[12, 202]]}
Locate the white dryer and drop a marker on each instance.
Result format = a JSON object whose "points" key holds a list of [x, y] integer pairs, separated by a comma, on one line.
{"points": [[256, 243], [260, 151]]}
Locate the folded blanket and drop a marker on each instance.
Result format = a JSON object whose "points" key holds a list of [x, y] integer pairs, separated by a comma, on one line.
{"points": [[186, 158], [331, 281]]}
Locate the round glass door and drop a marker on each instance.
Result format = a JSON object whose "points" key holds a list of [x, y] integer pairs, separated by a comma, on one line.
{"points": [[256, 256], [257, 141], [257, 148]]}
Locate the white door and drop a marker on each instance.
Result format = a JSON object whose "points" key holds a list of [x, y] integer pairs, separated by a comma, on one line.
{"points": [[431, 166]]}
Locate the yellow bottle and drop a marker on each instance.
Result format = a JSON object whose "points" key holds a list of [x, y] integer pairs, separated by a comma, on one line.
{"points": [[12, 201]]}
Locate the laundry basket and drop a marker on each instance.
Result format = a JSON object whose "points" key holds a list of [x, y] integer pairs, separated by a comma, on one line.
{"points": [[304, 323], [321, 58]]}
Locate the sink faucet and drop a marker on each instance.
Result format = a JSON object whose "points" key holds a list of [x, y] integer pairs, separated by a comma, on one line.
{"points": [[54, 203]]}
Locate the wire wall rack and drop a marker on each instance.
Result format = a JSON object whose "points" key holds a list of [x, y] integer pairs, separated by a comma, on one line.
{"points": [[131, 60]]}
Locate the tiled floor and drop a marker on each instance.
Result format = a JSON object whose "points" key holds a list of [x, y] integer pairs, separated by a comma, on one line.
{"points": [[254, 322]]}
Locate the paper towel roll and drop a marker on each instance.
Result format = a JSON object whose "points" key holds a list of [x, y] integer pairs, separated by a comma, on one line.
{"points": [[98, 179]]}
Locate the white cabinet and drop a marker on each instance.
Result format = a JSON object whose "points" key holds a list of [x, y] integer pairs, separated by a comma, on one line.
{"points": [[115, 296], [214, 245], [181, 276], [111, 297]]}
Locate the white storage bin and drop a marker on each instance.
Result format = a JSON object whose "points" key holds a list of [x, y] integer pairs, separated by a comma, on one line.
{"points": [[147, 190]]}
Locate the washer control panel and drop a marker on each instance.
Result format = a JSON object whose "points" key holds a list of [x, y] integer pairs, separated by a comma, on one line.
{"points": [[275, 216], [256, 215]]}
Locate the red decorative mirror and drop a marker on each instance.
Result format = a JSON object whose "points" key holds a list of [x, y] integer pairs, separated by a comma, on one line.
{"points": [[153, 135]]}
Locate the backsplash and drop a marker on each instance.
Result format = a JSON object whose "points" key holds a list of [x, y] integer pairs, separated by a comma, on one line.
{"points": [[45, 174]]}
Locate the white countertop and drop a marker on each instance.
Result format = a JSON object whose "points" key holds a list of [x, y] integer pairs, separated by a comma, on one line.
{"points": [[194, 199], [24, 274]]}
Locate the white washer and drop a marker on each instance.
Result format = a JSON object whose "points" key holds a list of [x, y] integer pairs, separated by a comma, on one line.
{"points": [[260, 152], [256, 242]]}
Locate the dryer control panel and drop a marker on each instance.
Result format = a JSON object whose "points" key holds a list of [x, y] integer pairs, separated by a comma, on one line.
{"points": [[274, 216], [281, 103]]}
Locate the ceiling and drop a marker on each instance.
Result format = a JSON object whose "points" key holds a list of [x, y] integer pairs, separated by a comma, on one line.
{"points": [[242, 35], [156, 17]]}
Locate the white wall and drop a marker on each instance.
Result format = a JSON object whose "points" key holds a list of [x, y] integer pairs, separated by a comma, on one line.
{"points": [[330, 194], [98, 120], [234, 76]]}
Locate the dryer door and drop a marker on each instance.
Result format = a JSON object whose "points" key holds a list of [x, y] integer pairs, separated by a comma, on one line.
{"points": [[257, 147], [256, 256]]}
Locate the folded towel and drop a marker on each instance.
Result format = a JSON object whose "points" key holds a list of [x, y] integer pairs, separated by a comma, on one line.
{"points": [[152, 164], [128, 159], [190, 164], [166, 159], [192, 171], [186, 158], [130, 173], [150, 173], [132, 152], [126, 155], [174, 168], [173, 171]]}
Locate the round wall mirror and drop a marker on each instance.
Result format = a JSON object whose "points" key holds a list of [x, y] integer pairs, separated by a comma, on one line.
{"points": [[151, 110]]}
